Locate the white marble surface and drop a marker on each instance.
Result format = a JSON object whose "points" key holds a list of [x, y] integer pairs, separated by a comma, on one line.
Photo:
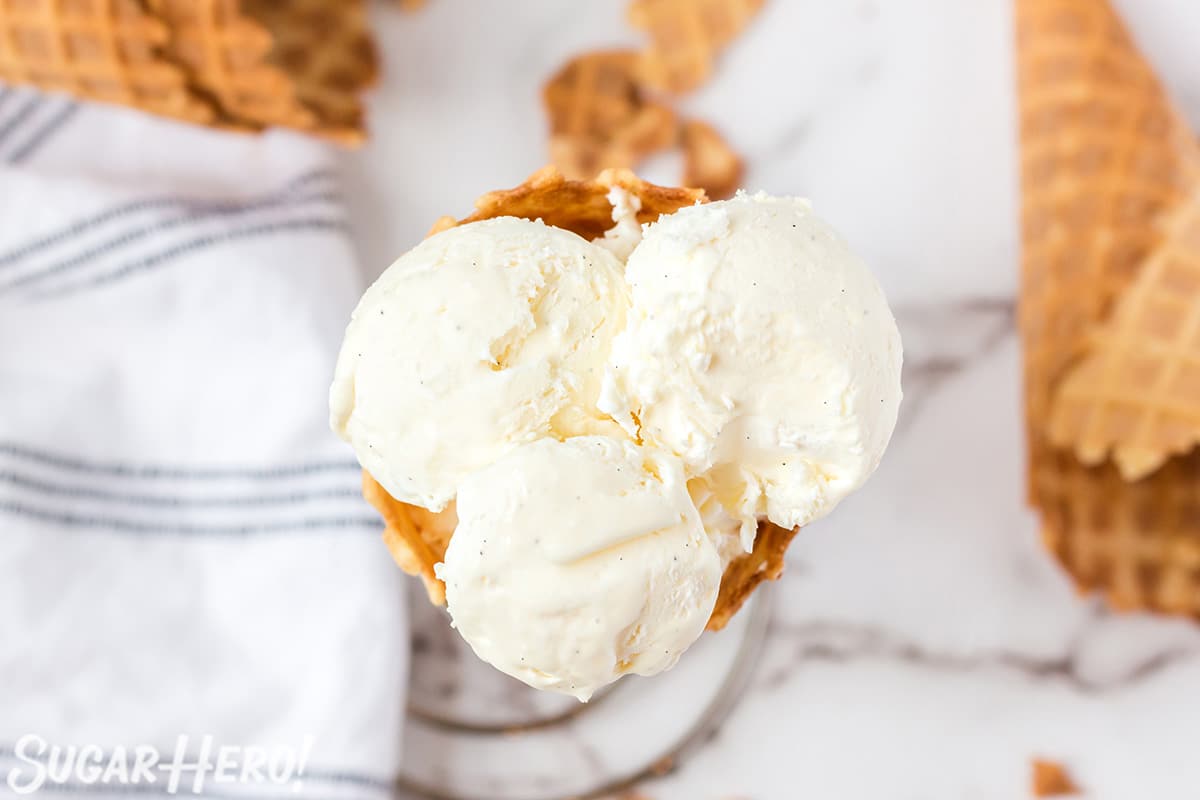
{"points": [[922, 646]]}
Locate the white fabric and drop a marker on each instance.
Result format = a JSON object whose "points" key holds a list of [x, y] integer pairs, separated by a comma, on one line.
{"points": [[183, 545]]}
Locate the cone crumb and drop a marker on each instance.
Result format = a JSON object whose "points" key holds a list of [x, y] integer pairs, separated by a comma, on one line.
{"points": [[1051, 779]]}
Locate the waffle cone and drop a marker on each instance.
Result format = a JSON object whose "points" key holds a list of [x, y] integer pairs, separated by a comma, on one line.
{"points": [[418, 538], [238, 64], [1109, 303]]}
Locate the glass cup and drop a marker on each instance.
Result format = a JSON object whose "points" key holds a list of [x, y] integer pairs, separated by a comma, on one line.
{"points": [[473, 733]]}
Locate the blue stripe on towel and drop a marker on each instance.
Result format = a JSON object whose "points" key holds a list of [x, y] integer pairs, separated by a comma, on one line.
{"points": [[198, 244], [23, 114], [171, 472], [117, 524], [175, 501], [199, 205], [45, 132], [134, 235]]}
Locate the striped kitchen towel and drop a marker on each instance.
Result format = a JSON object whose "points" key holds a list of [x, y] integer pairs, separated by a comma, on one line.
{"points": [[184, 551]]}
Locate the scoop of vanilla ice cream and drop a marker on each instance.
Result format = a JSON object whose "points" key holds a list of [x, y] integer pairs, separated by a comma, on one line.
{"points": [[578, 561], [761, 351], [482, 337]]}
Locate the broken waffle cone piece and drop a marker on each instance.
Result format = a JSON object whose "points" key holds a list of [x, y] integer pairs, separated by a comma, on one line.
{"points": [[1108, 166], [238, 64], [651, 130], [1137, 392], [301, 64], [601, 118], [418, 538], [709, 162], [685, 37], [110, 51], [593, 94], [1051, 779]]}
